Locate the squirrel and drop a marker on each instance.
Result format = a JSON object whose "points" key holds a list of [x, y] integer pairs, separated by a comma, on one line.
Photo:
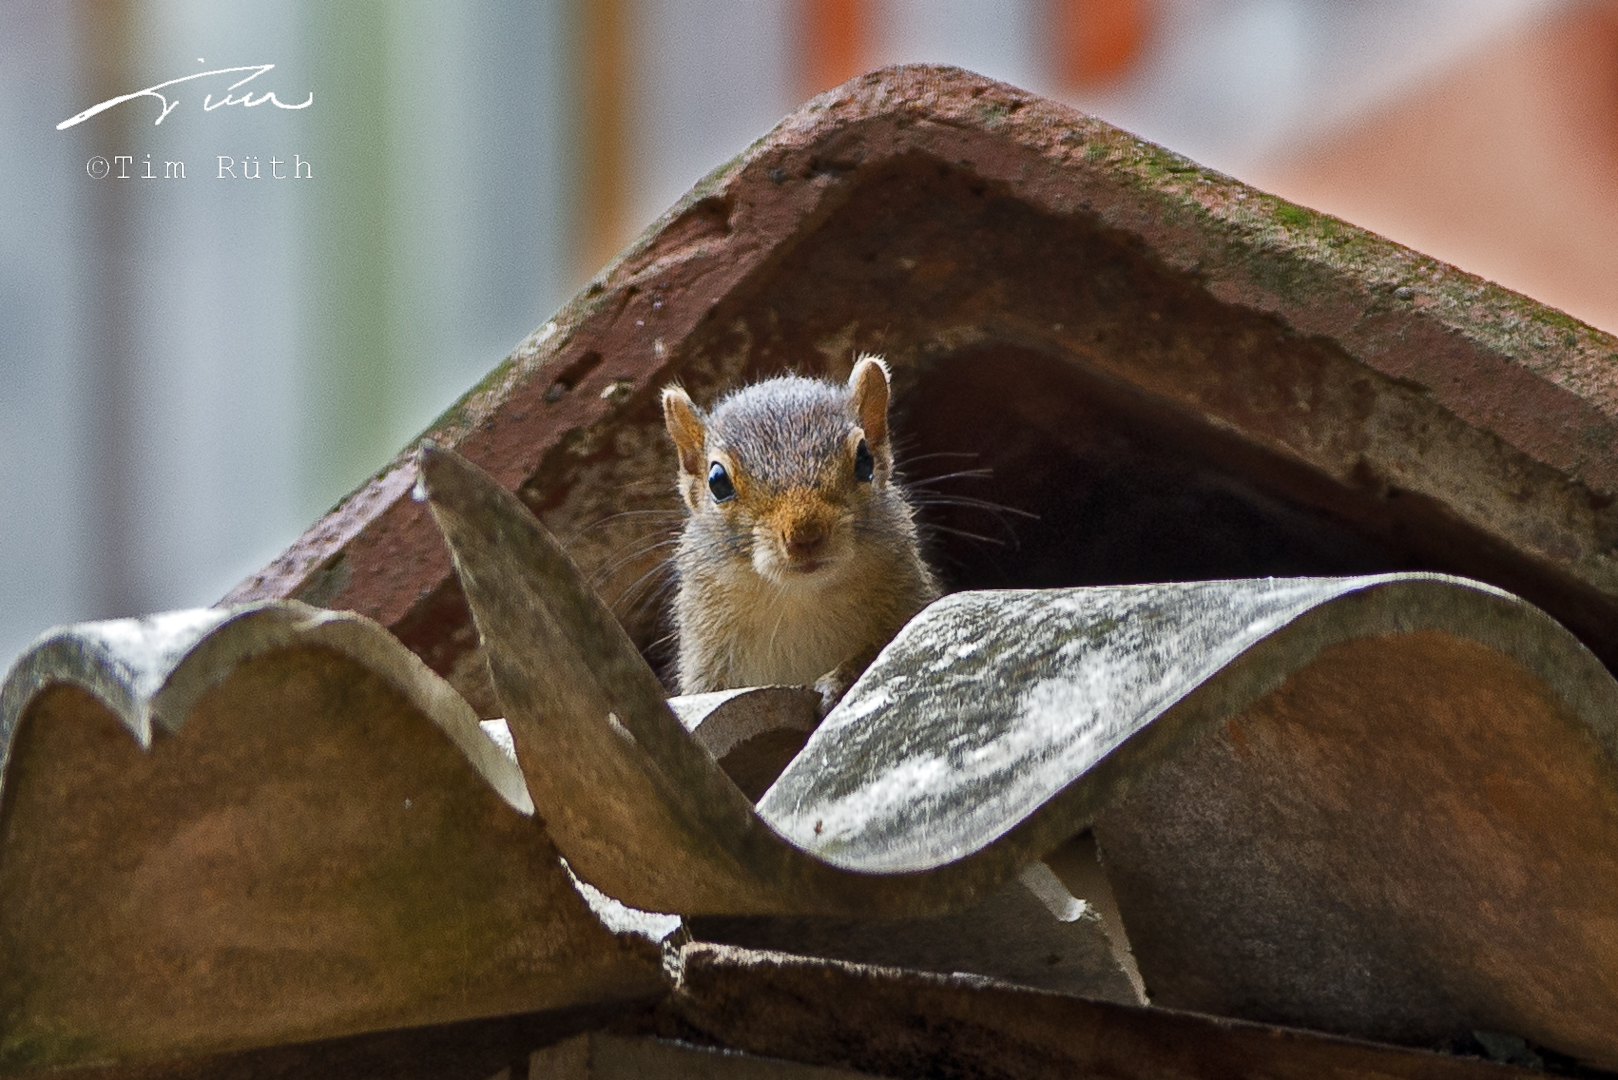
{"points": [[799, 558]]}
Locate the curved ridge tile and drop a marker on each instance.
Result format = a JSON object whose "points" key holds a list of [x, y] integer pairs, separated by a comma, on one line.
{"points": [[156, 667], [230, 829], [634, 802], [994, 727], [121, 662], [1415, 837], [990, 705]]}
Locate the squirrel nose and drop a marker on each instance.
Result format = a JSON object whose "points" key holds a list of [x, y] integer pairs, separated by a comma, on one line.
{"points": [[804, 539]]}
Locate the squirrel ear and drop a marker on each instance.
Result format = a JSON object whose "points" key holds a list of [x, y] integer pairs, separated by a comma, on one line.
{"points": [[685, 428], [869, 381]]}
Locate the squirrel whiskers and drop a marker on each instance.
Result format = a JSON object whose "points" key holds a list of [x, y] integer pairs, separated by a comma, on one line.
{"points": [[799, 558]]}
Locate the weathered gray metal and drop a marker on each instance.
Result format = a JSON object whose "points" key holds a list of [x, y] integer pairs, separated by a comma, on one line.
{"points": [[226, 829]]}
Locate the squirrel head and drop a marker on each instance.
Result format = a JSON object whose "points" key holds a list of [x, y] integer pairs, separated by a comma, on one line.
{"points": [[782, 473]]}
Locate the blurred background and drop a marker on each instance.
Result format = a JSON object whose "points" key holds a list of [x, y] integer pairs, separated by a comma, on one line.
{"points": [[192, 371]]}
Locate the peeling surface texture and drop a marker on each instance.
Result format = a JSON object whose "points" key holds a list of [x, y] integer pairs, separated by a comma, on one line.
{"points": [[244, 827], [1185, 378]]}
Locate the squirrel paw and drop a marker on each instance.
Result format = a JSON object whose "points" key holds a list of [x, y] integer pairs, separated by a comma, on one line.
{"points": [[832, 686], [836, 682]]}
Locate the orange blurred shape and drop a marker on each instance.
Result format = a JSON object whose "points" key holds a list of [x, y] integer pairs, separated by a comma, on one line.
{"points": [[1097, 41], [604, 160], [832, 42]]}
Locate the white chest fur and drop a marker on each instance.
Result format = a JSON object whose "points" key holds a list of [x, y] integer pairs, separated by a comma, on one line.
{"points": [[790, 633]]}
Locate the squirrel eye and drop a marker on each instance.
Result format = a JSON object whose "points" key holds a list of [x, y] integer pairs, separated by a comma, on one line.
{"points": [[864, 463], [719, 483]]}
